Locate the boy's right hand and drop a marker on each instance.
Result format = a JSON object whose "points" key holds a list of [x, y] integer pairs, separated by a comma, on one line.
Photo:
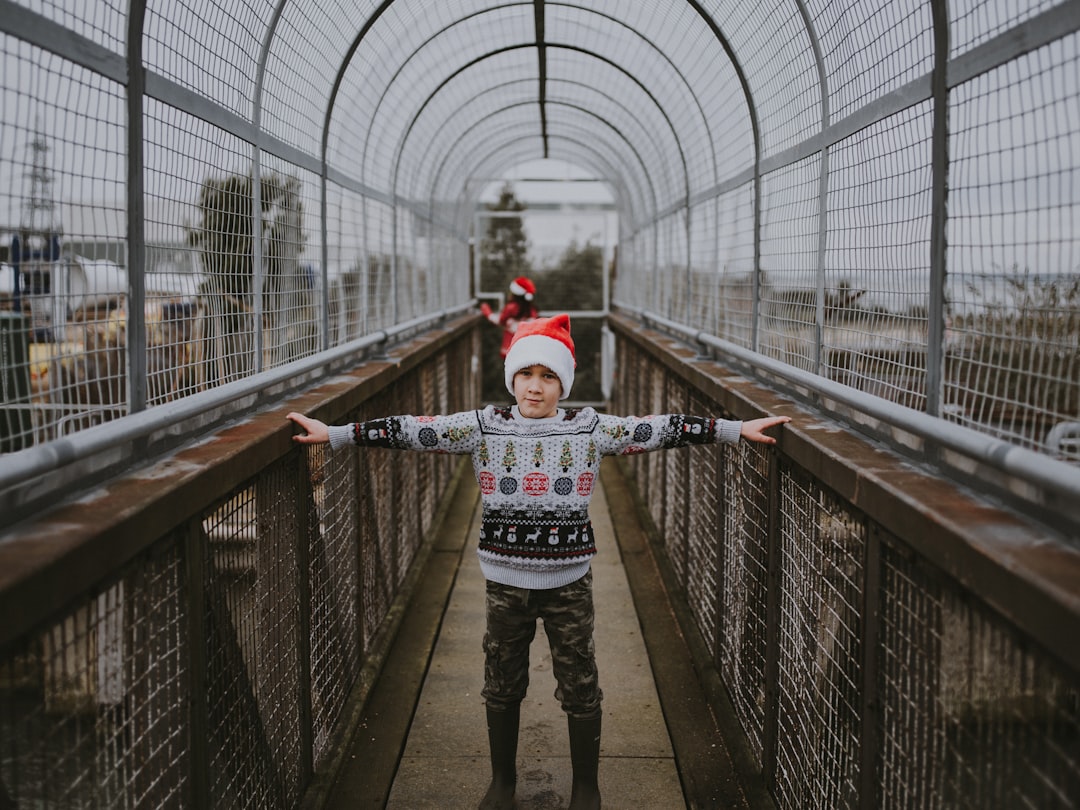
{"points": [[314, 431]]}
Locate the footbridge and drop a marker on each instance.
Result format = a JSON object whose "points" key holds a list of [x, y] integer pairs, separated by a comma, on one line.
{"points": [[862, 214]]}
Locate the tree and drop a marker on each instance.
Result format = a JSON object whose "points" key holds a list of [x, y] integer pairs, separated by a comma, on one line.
{"points": [[224, 238], [504, 248], [503, 257], [577, 281]]}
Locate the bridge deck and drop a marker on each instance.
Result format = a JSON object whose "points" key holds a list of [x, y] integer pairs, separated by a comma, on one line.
{"points": [[436, 756]]}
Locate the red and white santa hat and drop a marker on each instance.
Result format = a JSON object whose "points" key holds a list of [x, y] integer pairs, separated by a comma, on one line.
{"points": [[523, 287], [545, 342]]}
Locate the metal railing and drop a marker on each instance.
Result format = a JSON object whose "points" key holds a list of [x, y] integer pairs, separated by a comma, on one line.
{"points": [[192, 634], [899, 226], [38, 475], [1044, 485], [888, 639]]}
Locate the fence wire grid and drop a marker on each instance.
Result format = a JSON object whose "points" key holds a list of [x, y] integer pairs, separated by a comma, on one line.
{"points": [[881, 193], [862, 675]]}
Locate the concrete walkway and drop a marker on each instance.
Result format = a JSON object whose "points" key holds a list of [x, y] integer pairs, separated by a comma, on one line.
{"points": [[417, 732], [445, 761]]}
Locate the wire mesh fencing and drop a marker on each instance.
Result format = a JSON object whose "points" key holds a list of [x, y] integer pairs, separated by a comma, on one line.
{"points": [[879, 193], [215, 667], [235, 259], [910, 239], [862, 672]]}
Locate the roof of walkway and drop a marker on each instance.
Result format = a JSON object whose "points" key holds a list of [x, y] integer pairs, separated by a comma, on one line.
{"points": [[664, 100]]}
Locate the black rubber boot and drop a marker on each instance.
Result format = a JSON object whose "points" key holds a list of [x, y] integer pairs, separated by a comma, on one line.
{"points": [[585, 757], [503, 741]]}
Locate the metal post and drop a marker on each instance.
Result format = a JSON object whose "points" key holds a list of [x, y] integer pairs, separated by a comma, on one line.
{"points": [[305, 519], [198, 752], [870, 699], [257, 257], [772, 626], [136, 215], [939, 156]]}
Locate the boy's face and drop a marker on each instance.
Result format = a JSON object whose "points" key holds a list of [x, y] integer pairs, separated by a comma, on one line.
{"points": [[537, 390]]}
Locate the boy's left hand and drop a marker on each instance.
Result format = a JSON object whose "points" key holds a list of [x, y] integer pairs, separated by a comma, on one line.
{"points": [[752, 430]]}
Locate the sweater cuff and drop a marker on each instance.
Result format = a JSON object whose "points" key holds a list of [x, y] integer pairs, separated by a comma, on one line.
{"points": [[728, 431], [340, 435]]}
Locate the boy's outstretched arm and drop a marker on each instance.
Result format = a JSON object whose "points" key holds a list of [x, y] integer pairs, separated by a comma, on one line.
{"points": [[314, 431], [753, 430]]}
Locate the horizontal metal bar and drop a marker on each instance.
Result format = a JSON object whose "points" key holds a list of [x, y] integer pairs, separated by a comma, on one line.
{"points": [[40, 31], [1053, 24], [42, 459], [1036, 468]]}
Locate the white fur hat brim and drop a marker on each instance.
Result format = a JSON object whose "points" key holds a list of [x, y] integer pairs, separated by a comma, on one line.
{"points": [[540, 350], [517, 289]]}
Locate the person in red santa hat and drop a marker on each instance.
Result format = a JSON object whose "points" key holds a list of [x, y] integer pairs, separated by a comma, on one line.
{"points": [[537, 464], [518, 309]]}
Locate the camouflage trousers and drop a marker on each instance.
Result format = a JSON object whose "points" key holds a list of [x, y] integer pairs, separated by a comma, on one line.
{"points": [[567, 613]]}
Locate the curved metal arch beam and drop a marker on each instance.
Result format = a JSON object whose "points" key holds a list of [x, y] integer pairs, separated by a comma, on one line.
{"points": [[492, 88], [614, 20], [612, 99], [629, 192], [514, 154], [331, 102], [637, 155], [593, 160], [679, 73], [755, 126], [598, 161], [823, 184], [404, 62], [498, 51], [613, 171], [256, 181], [264, 56], [523, 146]]}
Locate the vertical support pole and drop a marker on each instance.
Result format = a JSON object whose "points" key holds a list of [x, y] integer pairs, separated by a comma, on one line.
{"points": [[939, 156], [306, 522], [394, 318], [720, 628], [198, 752], [365, 285], [823, 236], [870, 702], [356, 465], [772, 626], [343, 313], [136, 213], [655, 304], [257, 257], [688, 293], [823, 187], [477, 242], [755, 305]]}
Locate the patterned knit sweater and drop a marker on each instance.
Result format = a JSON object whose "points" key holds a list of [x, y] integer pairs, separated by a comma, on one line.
{"points": [[536, 476]]}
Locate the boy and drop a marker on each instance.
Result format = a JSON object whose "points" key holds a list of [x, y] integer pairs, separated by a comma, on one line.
{"points": [[536, 465]]}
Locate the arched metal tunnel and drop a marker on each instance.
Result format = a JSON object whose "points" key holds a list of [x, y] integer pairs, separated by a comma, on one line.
{"points": [[863, 213]]}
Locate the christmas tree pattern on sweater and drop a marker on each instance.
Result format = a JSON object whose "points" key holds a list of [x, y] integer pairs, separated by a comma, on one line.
{"points": [[536, 476]]}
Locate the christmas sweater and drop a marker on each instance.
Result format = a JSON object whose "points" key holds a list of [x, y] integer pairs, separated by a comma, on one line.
{"points": [[536, 476]]}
